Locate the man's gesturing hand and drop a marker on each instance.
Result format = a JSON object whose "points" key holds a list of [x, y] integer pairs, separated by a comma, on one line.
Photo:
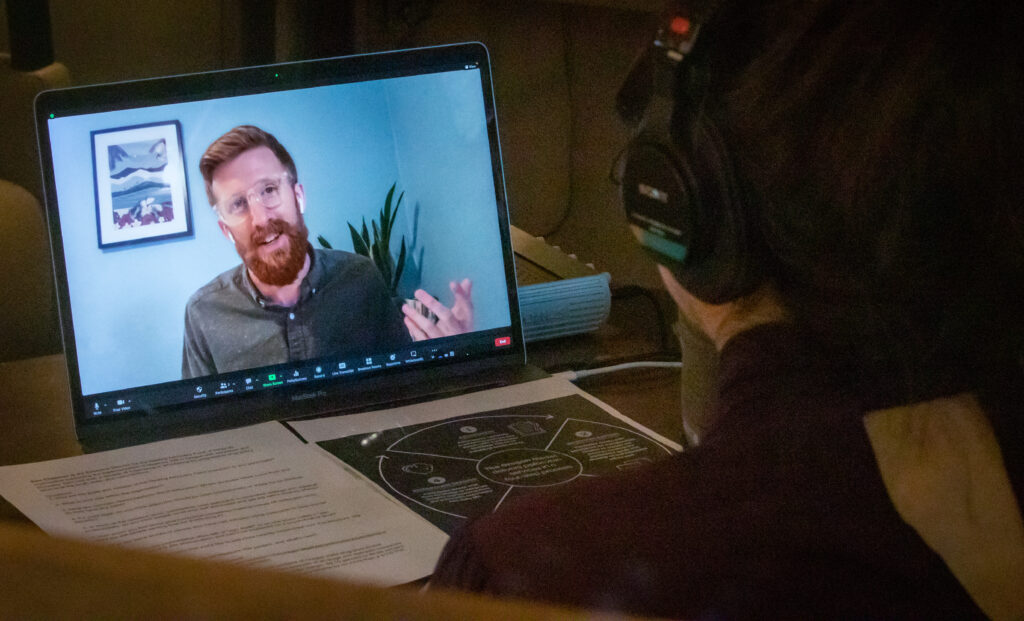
{"points": [[450, 321]]}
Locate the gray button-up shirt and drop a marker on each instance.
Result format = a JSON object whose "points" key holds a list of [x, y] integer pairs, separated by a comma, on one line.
{"points": [[344, 309]]}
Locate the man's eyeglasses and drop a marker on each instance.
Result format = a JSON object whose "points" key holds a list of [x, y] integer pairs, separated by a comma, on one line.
{"points": [[234, 209]]}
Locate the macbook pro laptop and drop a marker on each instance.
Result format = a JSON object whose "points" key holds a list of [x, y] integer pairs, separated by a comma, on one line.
{"points": [[165, 334]]}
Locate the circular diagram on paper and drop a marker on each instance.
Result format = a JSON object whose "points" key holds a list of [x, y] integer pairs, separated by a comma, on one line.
{"points": [[469, 466]]}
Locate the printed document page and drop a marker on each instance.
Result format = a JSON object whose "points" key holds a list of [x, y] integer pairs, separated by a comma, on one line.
{"points": [[329, 428], [254, 496], [454, 459]]}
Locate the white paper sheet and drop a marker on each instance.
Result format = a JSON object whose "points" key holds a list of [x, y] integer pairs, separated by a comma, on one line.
{"points": [[255, 496], [329, 428]]}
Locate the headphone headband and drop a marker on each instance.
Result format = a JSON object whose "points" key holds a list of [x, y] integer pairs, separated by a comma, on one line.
{"points": [[654, 72]]}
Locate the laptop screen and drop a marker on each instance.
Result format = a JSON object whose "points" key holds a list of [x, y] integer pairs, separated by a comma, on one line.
{"points": [[350, 223]]}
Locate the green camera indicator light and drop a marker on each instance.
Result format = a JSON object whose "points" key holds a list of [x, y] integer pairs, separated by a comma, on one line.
{"points": [[272, 377]]}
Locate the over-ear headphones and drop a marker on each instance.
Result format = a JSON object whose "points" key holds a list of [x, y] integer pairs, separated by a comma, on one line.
{"points": [[684, 202]]}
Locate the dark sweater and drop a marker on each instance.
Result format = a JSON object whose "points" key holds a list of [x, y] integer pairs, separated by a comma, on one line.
{"points": [[780, 513]]}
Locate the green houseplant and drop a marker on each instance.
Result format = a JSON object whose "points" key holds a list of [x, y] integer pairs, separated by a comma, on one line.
{"points": [[378, 246]]}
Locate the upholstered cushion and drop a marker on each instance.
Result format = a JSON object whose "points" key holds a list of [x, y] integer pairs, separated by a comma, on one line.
{"points": [[28, 318]]}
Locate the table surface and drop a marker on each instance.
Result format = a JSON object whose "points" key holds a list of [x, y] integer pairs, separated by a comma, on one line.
{"points": [[35, 412]]}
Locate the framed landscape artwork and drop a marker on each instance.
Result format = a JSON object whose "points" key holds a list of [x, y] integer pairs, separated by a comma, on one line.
{"points": [[140, 184]]}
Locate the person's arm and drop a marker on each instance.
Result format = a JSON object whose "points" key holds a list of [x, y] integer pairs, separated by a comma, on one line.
{"points": [[779, 509], [196, 360], [942, 466]]}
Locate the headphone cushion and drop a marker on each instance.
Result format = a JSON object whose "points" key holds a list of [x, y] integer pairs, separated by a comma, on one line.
{"points": [[693, 199]]}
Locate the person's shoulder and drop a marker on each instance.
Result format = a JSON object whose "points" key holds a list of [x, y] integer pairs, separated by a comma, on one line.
{"points": [[341, 262], [331, 257], [225, 281]]}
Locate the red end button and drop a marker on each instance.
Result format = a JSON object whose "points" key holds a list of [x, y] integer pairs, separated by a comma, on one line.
{"points": [[680, 25], [503, 341]]}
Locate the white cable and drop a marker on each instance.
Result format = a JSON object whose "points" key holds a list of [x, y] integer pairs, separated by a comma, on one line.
{"points": [[572, 376]]}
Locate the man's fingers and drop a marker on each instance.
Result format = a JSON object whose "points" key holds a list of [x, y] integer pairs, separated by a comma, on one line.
{"points": [[463, 307], [450, 321], [465, 288], [414, 331], [442, 311], [423, 325]]}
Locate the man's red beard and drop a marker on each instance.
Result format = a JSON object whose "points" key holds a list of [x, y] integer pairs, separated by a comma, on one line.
{"points": [[282, 266]]}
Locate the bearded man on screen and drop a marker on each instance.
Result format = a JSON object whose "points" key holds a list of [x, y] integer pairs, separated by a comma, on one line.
{"points": [[288, 301]]}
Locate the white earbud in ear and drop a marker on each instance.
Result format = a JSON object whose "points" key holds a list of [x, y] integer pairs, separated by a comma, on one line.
{"points": [[302, 205], [231, 237]]}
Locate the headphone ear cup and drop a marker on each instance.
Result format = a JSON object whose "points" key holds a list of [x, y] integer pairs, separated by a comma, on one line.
{"points": [[730, 262], [657, 194], [687, 209]]}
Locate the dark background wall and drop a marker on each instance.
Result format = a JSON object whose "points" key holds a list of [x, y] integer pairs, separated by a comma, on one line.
{"points": [[557, 66]]}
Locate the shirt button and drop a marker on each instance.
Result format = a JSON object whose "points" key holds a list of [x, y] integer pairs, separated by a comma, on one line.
{"points": [[291, 315]]}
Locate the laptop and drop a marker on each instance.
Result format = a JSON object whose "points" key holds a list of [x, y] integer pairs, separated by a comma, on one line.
{"points": [[165, 330]]}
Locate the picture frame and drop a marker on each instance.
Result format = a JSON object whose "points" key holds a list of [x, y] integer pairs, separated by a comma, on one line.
{"points": [[140, 183]]}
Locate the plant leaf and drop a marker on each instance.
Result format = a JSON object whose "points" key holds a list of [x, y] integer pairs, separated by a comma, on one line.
{"points": [[358, 245], [378, 248], [387, 203], [385, 214], [398, 204], [385, 235], [381, 258], [326, 244], [388, 215], [366, 235], [394, 216], [399, 267]]}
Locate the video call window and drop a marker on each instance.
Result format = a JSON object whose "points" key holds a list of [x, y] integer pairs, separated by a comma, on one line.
{"points": [[141, 238]]}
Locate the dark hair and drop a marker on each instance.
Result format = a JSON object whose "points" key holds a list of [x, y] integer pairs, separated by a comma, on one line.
{"points": [[232, 144], [882, 141]]}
